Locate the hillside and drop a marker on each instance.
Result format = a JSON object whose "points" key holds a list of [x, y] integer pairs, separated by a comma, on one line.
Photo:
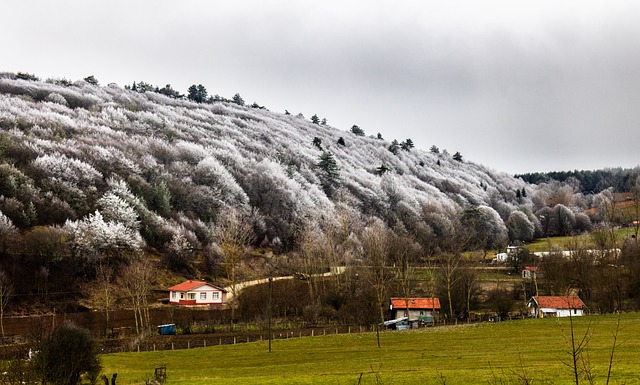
{"points": [[91, 173]]}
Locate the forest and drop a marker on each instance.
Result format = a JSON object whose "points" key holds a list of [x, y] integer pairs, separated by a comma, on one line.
{"points": [[105, 187]]}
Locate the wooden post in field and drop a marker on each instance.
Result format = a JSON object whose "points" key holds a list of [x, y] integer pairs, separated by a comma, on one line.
{"points": [[378, 334], [269, 311]]}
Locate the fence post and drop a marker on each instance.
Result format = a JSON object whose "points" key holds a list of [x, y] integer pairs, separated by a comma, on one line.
{"points": [[234, 340], [188, 344], [349, 330], [205, 343], [172, 346], [311, 332]]}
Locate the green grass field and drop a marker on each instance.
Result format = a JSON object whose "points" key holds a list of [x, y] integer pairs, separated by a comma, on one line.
{"points": [[465, 354]]}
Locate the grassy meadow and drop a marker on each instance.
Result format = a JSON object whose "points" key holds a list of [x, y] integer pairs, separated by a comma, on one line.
{"points": [[488, 353]]}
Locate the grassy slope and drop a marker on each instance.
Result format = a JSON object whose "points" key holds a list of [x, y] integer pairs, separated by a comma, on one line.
{"points": [[467, 354]]}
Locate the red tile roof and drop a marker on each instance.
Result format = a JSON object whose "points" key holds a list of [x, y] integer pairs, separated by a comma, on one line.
{"points": [[416, 303], [560, 302], [187, 285], [534, 269]]}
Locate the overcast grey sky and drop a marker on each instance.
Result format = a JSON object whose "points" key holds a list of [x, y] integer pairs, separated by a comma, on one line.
{"points": [[519, 86]]}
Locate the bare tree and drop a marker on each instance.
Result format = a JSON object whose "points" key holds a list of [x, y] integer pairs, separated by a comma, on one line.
{"points": [[6, 291], [404, 252], [310, 257], [104, 293], [234, 234], [376, 242], [450, 278], [137, 282]]}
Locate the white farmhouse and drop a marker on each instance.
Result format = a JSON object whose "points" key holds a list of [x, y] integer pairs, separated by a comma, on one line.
{"points": [[196, 293], [556, 306]]}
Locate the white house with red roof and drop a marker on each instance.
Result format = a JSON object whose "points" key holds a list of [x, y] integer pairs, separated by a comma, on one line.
{"points": [[414, 308], [197, 293], [556, 306]]}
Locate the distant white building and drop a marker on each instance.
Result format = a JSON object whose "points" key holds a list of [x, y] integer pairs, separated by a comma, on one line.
{"points": [[196, 293], [556, 306]]}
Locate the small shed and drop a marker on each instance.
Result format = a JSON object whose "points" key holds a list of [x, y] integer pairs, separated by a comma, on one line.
{"points": [[167, 329]]}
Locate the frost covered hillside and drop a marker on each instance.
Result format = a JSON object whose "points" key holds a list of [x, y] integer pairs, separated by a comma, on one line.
{"points": [[104, 166]]}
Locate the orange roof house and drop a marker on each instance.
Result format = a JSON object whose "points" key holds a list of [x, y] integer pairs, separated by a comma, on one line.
{"points": [[196, 293], [414, 307], [556, 306]]}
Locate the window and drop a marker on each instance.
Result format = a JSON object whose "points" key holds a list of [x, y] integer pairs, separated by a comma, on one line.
{"points": [[203, 295], [216, 295], [192, 295], [173, 294], [181, 295]]}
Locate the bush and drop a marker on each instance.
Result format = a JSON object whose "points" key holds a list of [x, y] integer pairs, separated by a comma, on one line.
{"points": [[65, 355]]}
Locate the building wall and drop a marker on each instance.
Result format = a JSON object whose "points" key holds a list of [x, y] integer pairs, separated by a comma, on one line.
{"points": [[414, 314], [563, 312]]}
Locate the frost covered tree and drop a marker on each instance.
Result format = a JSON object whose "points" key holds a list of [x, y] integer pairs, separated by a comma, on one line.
{"points": [[8, 233], [93, 238], [520, 227]]}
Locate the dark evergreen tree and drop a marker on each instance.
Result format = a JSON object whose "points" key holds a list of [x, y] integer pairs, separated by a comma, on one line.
{"points": [[330, 172], [457, 156], [407, 145], [197, 93], [286, 112], [382, 169], [169, 91], [26, 76], [237, 99], [357, 130], [315, 119], [328, 164], [91, 80], [380, 136], [524, 193], [394, 147], [434, 149], [341, 141], [323, 122], [317, 142]]}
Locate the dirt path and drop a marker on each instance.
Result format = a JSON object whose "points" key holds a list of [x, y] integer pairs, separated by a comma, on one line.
{"points": [[243, 285]]}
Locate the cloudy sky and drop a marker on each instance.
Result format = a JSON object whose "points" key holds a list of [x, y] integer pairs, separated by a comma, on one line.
{"points": [[519, 86]]}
